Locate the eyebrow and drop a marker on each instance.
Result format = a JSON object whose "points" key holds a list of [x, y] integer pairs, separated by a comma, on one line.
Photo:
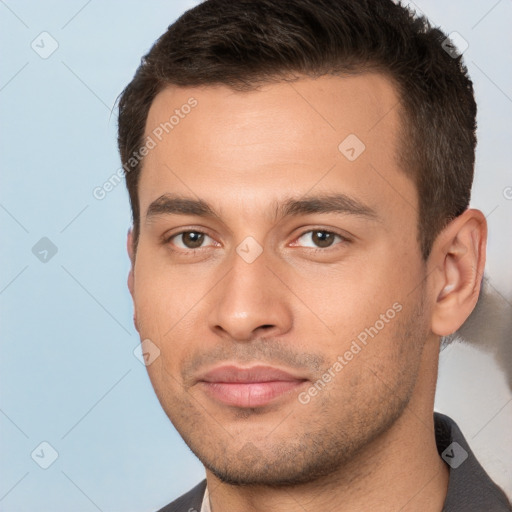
{"points": [[330, 203], [170, 204]]}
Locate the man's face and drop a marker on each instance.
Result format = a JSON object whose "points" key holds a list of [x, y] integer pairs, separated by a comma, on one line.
{"points": [[306, 261]]}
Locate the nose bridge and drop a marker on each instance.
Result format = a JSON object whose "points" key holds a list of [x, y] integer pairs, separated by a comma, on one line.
{"points": [[249, 297]]}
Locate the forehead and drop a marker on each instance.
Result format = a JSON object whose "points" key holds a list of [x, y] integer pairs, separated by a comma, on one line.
{"points": [[329, 133]]}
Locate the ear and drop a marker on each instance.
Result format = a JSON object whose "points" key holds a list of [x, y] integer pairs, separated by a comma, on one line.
{"points": [[457, 264], [131, 253]]}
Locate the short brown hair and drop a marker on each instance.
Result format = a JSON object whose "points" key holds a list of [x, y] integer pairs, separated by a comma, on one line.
{"points": [[245, 43]]}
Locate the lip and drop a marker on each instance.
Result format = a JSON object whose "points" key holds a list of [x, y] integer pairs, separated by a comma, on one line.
{"points": [[248, 387]]}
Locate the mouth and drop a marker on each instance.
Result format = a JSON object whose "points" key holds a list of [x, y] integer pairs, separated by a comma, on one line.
{"points": [[248, 387]]}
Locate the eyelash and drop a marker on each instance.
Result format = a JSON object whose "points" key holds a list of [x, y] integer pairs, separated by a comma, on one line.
{"points": [[344, 240]]}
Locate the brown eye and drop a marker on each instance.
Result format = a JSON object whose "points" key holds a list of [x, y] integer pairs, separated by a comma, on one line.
{"points": [[192, 239], [189, 239], [322, 238], [319, 238]]}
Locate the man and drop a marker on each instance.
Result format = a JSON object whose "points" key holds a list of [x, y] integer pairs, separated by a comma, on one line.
{"points": [[299, 174]]}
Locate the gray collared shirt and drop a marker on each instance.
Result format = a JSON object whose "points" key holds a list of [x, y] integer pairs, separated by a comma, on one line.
{"points": [[470, 489]]}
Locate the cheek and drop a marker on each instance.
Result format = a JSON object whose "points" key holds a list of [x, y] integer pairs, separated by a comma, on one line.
{"points": [[382, 359], [161, 296], [353, 297], [365, 307], [168, 305]]}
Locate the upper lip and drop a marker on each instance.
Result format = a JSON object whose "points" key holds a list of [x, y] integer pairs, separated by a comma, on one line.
{"points": [[231, 373]]}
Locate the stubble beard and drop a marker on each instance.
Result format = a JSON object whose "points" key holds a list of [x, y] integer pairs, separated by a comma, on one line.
{"points": [[332, 433]]}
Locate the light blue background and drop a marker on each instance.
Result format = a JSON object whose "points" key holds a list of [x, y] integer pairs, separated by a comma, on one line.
{"points": [[68, 373]]}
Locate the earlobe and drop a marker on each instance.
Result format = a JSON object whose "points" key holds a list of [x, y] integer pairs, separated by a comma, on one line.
{"points": [[459, 259]]}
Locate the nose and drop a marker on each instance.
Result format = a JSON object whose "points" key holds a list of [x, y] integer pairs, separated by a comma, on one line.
{"points": [[250, 302]]}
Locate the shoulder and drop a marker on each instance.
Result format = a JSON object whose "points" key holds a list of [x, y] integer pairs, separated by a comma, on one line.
{"points": [[470, 489], [188, 502]]}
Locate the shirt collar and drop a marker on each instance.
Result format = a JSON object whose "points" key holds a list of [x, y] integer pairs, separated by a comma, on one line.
{"points": [[205, 506]]}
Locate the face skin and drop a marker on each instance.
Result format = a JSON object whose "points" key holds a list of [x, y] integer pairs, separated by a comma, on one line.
{"points": [[322, 278]]}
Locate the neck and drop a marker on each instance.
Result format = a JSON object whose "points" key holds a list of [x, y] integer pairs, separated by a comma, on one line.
{"points": [[400, 470]]}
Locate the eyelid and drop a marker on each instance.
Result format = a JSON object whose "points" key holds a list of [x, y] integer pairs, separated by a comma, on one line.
{"points": [[344, 238], [167, 239]]}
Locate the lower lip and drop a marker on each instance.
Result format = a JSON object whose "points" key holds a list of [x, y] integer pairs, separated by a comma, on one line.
{"points": [[249, 394]]}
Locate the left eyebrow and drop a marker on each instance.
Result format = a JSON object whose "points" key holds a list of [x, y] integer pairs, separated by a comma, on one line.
{"points": [[330, 203]]}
